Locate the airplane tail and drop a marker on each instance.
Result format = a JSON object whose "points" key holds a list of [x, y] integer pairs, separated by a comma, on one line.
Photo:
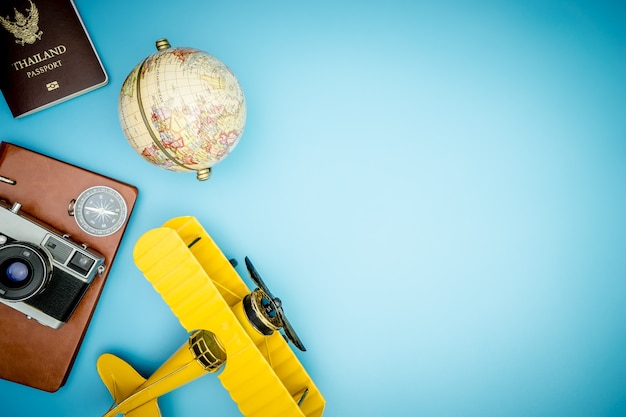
{"points": [[136, 396], [122, 380]]}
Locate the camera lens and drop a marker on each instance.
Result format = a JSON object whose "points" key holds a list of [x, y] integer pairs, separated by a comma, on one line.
{"points": [[24, 271], [16, 273]]}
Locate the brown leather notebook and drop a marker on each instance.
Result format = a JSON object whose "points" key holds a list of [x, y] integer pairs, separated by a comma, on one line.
{"points": [[31, 353], [46, 55]]}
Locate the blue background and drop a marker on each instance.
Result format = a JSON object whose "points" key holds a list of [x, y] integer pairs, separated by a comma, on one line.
{"points": [[436, 190]]}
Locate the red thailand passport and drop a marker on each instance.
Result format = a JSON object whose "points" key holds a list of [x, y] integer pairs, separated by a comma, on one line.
{"points": [[46, 55]]}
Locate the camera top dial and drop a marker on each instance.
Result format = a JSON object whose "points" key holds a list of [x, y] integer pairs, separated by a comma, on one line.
{"points": [[99, 211]]}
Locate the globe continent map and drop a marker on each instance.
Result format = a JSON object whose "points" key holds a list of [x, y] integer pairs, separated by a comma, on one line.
{"points": [[182, 109]]}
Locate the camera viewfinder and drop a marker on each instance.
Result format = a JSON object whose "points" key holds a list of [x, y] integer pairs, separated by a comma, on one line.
{"points": [[81, 263]]}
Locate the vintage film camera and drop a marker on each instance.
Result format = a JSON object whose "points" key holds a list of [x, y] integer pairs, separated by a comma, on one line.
{"points": [[43, 274]]}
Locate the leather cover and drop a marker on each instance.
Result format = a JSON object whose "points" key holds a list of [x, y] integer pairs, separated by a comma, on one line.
{"points": [[31, 353], [46, 55]]}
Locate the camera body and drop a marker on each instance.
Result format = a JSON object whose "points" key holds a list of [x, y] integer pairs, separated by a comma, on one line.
{"points": [[43, 274]]}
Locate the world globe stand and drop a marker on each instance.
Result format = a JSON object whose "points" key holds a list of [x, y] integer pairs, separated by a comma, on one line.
{"points": [[203, 174], [162, 44]]}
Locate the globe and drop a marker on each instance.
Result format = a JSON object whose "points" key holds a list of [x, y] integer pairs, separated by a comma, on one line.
{"points": [[182, 109]]}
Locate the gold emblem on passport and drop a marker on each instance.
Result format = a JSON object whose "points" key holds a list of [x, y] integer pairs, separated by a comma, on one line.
{"points": [[52, 86], [24, 28]]}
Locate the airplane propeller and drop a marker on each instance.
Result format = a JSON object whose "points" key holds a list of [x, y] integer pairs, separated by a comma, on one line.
{"points": [[277, 303]]}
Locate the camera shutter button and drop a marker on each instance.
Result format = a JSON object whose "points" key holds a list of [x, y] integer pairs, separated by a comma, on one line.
{"points": [[16, 207]]}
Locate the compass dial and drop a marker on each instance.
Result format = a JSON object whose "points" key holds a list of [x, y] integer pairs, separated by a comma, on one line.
{"points": [[100, 211]]}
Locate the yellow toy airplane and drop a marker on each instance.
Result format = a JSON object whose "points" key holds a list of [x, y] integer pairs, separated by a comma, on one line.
{"points": [[231, 328]]}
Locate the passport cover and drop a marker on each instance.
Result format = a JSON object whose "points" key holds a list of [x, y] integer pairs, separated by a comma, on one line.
{"points": [[46, 55], [31, 353]]}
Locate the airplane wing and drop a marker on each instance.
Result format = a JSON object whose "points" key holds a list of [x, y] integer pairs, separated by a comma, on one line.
{"points": [[204, 291], [215, 264]]}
